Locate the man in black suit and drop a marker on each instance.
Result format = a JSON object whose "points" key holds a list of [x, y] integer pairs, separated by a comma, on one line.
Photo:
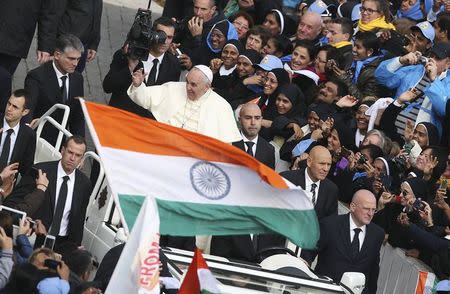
{"points": [[17, 140], [82, 19], [57, 82], [63, 209], [167, 69], [19, 19], [250, 118], [351, 243], [244, 247], [322, 192]]}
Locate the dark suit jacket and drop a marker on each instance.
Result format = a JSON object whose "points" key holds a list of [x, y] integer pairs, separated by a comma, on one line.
{"points": [[45, 92], [19, 19], [335, 257], [81, 18], [80, 199], [24, 148], [118, 79], [264, 151], [327, 196]]}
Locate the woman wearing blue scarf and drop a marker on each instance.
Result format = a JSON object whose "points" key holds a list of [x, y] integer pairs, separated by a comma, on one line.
{"points": [[360, 78], [410, 9], [222, 32]]}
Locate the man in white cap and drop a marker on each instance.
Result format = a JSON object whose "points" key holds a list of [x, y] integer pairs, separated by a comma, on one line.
{"points": [[191, 105]]}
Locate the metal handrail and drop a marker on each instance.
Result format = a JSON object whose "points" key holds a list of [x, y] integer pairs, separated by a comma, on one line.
{"points": [[60, 126], [101, 173]]}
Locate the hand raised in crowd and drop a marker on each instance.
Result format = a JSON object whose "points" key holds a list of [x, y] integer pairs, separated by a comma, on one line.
{"points": [[266, 123], [347, 101], [138, 77], [63, 271], [370, 170], [185, 61], [429, 166], [295, 165], [298, 133], [326, 126], [439, 200], [10, 170], [431, 69], [377, 186], [410, 58], [426, 214], [408, 96], [385, 35], [254, 80], [403, 219], [337, 71], [5, 241], [40, 228], [215, 65], [385, 198], [409, 130], [195, 26], [42, 181], [24, 227], [42, 56]]}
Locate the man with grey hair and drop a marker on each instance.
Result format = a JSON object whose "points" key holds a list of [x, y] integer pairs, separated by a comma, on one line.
{"points": [[310, 27], [191, 105], [55, 82]]}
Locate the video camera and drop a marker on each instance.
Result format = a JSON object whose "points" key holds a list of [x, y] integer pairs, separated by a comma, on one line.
{"points": [[141, 36]]}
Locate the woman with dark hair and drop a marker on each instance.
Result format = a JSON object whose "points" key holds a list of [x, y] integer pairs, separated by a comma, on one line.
{"points": [[279, 46], [360, 78], [287, 117], [302, 69]]}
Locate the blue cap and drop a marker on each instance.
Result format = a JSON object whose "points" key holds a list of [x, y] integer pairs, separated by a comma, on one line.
{"points": [[356, 13], [319, 7], [427, 30], [270, 62], [443, 285]]}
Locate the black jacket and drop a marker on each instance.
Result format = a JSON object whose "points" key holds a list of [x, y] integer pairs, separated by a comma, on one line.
{"points": [[18, 21], [118, 79], [80, 199], [265, 152], [335, 255], [45, 92], [82, 19]]}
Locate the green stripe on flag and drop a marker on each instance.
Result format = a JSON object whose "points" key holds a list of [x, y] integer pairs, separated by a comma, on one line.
{"points": [[189, 219], [131, 205]]}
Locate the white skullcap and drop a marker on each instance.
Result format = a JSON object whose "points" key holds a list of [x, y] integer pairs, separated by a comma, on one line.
{"points": [[206, 71]]}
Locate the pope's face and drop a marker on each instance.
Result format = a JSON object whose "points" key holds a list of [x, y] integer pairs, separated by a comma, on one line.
{"points": [[196, 84]]}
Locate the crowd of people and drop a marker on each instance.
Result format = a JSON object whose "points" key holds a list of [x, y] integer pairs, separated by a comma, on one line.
{"points": [[347, 100]]}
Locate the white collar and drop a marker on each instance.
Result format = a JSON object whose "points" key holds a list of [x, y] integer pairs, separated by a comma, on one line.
{"points": [[61, 172], [245, 139], [354, 226], [226, 72], [58, 73], [7, 127], [151, 58]]}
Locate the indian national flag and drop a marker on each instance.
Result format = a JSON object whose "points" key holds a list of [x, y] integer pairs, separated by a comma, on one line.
{"points": [[426, 282], [201, 186], [199, 278]]}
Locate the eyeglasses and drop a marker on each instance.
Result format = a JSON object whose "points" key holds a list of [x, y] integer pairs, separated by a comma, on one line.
{"points": [[240, 25], [368, 10]]}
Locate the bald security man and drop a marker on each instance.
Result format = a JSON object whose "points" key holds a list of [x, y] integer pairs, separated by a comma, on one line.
{"points": [[250, 118], [322, 192], [351, 243]]}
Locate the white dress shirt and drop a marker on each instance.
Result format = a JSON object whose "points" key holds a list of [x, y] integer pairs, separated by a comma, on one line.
{"points": [[308, 184], [361, 235], [70, 185], [148, 65], [13, 137], [255, 141], [58, 77]]}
